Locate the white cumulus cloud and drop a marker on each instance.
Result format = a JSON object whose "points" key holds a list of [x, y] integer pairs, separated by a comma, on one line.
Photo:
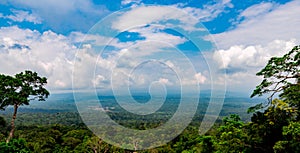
{"points": [[268, 30], [200, 78], [21, 16], [281, 23]]}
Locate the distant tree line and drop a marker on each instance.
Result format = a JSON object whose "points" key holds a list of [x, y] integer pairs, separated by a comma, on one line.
{"points": [[274, 125]]}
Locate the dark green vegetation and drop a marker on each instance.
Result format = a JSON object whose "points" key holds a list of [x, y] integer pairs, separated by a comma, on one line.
{"points": [[19, 90], [274, 126]]}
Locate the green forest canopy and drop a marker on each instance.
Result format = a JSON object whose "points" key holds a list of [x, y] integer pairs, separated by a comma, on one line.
{"points": [[274, 126]]}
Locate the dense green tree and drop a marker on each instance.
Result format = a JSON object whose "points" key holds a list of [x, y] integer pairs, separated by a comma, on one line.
{"points": [[207, 144], [275, 128], [186, 140], [265, 128], [231, 136], [281, 76], [92, 145], [14, 146], [20, 90], [291, 141]]}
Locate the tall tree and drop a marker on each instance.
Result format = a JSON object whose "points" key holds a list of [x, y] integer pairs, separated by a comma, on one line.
{"points": [[19, 90], [281, 76]]}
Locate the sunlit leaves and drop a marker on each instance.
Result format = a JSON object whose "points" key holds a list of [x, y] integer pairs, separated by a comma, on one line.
{"points": [[231, 135], [279, 74], [21, 88], [291, 142]]}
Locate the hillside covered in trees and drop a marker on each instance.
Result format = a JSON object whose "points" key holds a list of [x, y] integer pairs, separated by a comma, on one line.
{"points": [[274, 125]]}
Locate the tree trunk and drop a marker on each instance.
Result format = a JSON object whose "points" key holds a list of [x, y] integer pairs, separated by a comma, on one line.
{"points": [[12, 131]]}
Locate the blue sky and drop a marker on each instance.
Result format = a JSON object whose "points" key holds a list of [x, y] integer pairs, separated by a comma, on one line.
{"points": [[215, 37], [70, 16]]}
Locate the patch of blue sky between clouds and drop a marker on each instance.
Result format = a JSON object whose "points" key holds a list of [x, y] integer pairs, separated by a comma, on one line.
{"points": [[4, 11], [9, 17], [189, 46], [129, 36], [83, 21]]}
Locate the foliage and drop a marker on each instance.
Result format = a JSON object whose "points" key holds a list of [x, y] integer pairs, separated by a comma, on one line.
{"points": [[281, 75], [207, 144], [22, 88], [291, 141], [19, 90], [275, 128], [231, 136], [16, 145], [265, 128]]}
